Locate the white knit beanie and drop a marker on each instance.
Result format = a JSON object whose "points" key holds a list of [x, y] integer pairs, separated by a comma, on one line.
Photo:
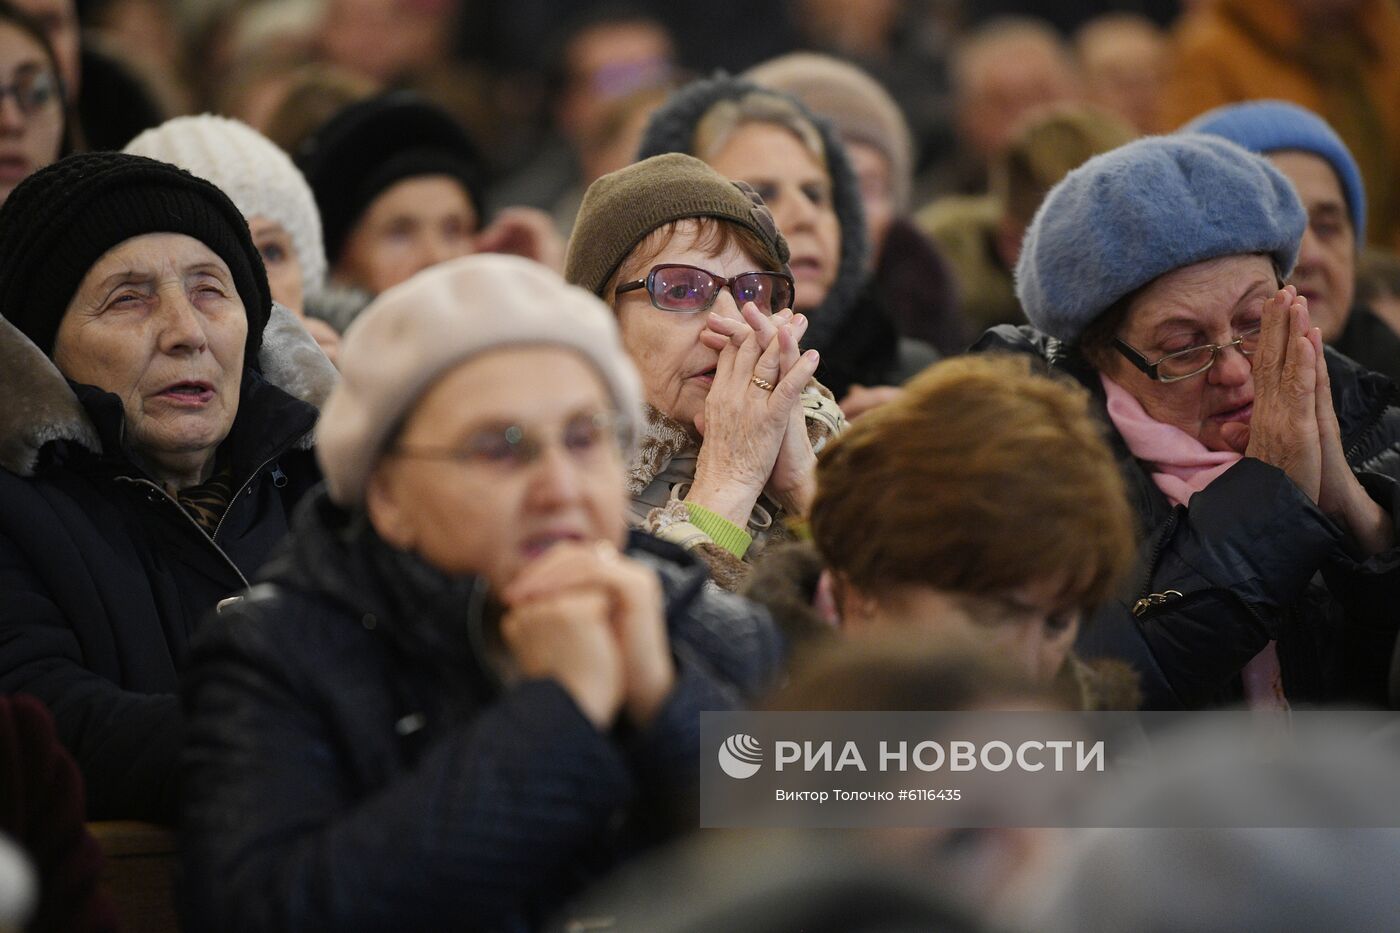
{"points": [[257, 176], [419, 329]]}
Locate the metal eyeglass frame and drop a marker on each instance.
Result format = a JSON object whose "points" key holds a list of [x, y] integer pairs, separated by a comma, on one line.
{"points": [[1134, 356]]}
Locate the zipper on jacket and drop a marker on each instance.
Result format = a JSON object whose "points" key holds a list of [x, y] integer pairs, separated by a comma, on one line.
{"points": [[1371, 425], [1154, 599], [179, 508], [1158, 547], [241, 490]]}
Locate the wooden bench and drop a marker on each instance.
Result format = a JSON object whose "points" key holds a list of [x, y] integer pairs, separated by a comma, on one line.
{"points": [[138, 873]]}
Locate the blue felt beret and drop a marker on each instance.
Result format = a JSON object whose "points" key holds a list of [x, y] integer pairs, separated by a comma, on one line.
{"points": [[1142, 210], [1265, 126]]}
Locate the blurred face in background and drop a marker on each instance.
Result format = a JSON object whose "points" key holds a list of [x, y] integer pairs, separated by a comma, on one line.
{"points": [[1003, 80], [412, 225], [59, 19], [605, 63], [31, 112], [382, 38], [279, 257], [1326, 269], [874, 175], [795, 186], [1123, 61]]}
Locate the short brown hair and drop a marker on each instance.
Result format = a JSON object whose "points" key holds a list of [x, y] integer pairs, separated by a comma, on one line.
{"points": [[714, 237], [985, 476]]}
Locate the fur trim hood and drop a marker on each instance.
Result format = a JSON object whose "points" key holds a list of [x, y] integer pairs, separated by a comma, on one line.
{"points": [[672, 129], [40, 407]]}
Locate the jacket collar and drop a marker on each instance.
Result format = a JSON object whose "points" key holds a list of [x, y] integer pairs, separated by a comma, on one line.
{"points": [[41, 407]]}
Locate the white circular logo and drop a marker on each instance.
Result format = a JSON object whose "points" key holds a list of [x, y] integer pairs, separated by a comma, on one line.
{"points": [[740, 756]]}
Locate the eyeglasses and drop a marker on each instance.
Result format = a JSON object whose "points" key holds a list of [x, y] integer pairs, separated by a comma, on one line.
{"points": [[31, 90], [688, 289], [1183, 364], [586, 438]]}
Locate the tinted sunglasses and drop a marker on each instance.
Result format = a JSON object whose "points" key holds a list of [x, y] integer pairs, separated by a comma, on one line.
{"points": [[688, 289]]}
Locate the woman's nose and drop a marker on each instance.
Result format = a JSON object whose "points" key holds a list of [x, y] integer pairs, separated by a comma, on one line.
{"points": [[12, 118], [1231, 367]]}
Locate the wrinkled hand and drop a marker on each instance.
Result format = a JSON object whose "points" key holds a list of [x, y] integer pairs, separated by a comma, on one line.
{"points": [[1283, 429], [861, 399], [792, 483], [745, 426], [635, 614], [524, 231], [1340, 494], [566, 637]]}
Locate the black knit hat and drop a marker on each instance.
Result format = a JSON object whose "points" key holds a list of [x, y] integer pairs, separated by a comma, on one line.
{"points": [[371, 145], [59, 221]]}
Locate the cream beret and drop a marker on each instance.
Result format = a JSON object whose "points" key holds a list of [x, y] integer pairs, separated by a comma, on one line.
{"points": [[418, 330]]}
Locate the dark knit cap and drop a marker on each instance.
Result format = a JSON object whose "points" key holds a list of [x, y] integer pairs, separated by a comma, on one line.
{"points": [[59, 221], [373, 144], [622, 207]]}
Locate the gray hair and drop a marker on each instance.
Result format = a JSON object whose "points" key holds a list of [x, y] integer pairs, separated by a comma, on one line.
{"points": [[723, 119]]}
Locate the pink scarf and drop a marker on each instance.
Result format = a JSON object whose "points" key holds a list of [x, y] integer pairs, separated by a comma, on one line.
{"points": [[1181, 467]]}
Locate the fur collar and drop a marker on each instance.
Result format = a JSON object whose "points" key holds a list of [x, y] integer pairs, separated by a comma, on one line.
{"points": [[39, 407], [660, 440]]}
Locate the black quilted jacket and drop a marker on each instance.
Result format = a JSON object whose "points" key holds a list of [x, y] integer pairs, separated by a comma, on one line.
{"points": [[353, 763], [1252, 559]]}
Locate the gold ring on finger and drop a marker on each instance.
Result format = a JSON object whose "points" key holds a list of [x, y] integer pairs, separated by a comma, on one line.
{"points": [[763, 384]]}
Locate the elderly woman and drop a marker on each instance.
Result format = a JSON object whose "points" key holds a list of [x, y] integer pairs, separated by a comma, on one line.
{"points": [[264, 184], [398, 184], [697, 275], [982, 506], [35, 125], [150, 459], [799, 167], [1152, 275], [911, 283], [463, 690]]}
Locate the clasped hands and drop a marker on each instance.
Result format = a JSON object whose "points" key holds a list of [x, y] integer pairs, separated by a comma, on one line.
{"points": [[1293, 425], [592, 619], [755, 438]]}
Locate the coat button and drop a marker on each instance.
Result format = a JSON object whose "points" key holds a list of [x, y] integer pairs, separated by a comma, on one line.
{"points": [[369, 621]]}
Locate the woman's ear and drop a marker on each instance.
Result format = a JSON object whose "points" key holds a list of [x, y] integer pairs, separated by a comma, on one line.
{"points": [[385, 513], [1058, 644], [851, 609]]}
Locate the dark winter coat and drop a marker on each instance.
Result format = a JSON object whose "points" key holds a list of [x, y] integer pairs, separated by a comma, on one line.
{"points": [[856, 338], [1251, 559], [1369, 341], [354, 761], [104, 577]]}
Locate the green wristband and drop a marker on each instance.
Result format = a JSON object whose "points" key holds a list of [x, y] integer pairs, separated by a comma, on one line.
{"points": [[721, 530]]}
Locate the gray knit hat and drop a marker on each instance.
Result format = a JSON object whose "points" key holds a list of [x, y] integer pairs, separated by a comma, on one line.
{"points": [[622, 207], [1126, 217], [418, 330]]}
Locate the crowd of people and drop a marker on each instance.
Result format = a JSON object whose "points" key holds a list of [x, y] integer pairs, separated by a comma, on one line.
{"points": [[406, 433]]}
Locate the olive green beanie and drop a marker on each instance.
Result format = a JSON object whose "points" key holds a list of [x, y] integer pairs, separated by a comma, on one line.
{"points": [[622, 207]]}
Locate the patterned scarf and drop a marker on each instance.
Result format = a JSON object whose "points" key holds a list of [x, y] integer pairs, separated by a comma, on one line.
{"points": [[207, 502]]}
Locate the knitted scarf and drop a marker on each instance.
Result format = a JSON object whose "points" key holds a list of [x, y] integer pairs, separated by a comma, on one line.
{"points": [[1181, 467]]}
